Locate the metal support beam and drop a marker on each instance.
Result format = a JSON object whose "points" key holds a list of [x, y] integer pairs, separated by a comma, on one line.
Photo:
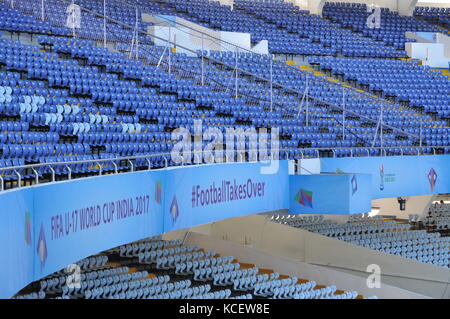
{"points": [[137, 34], [304, 97], [69, 175], [170, 49], [104, 23], [307, 100], [236, 81], [42, 10], [161, 57], [271, 83], [36, 175], [131, 165], [115, 167], [73, 20], [53, 173], [420, 131], [381, 127], [19, 178], [343, 113], [203, 64]]}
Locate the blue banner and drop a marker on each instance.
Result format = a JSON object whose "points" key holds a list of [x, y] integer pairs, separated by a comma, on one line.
{"points": [[16, 236], [395, 176], [47, 227], [330, 194], [80, 218], [359, 193], [203, 194]]}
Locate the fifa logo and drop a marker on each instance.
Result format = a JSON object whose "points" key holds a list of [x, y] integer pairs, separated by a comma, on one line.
{"points": [[381, 177]]}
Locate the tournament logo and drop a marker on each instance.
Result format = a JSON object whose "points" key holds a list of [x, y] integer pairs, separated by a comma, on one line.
{"points": [[386, 177], [27, 228], [42, 247], [174, 211], [381, 177], [354, 184], [158, 192], [432, 177], [304, 198]]}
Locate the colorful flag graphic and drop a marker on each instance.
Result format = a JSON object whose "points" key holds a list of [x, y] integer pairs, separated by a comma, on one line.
{"points": [[432, 177], [304, 198]]}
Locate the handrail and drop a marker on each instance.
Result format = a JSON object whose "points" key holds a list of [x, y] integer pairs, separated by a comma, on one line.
{"points": [[274, 155], [286, 152]]}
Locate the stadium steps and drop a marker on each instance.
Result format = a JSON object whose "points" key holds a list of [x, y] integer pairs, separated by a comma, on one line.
{"points": [[358, 33], [361, 89], [266, 21], [432, 21], [445, 72]]}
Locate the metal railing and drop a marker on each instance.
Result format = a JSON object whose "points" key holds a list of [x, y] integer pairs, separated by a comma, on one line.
{"points": [[194, 160], [18, 177]]}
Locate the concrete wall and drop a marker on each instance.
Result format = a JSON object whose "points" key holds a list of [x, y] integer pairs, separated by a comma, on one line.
{"points": [[414, 205], [260, 233], [437, 4], [292, 267], [227, 3], [444, 39], [190, 37], [431, 54], [314, 6]]}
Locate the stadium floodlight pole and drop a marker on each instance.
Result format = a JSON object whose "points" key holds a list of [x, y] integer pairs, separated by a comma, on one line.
{"points": [[203, 65], [236, 81], [104, 23], [271, 83], [343, 113]]}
